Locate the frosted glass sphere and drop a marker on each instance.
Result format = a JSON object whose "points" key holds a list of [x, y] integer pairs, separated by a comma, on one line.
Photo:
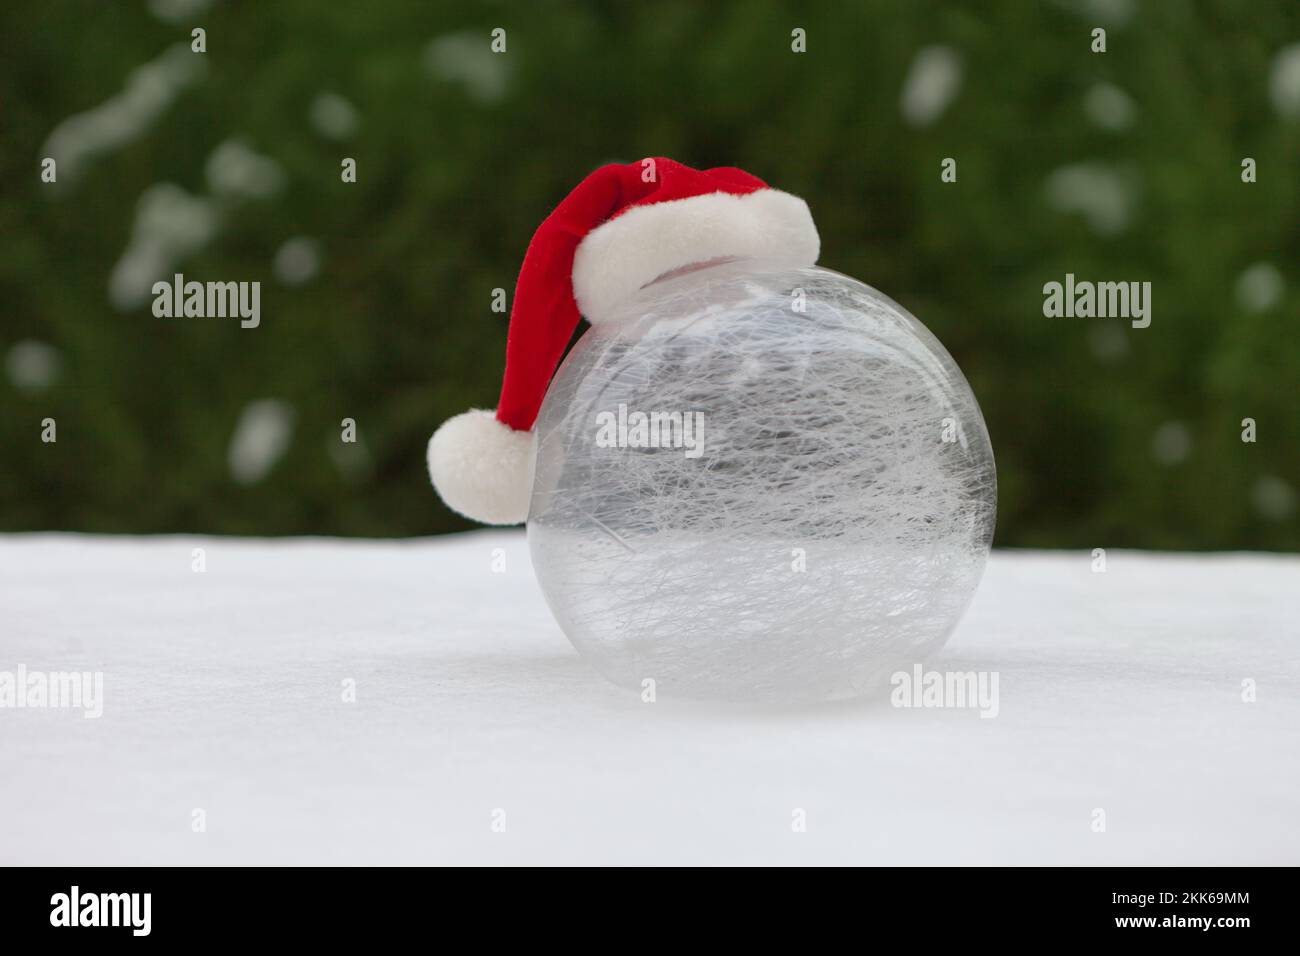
{"points": [[760, 482]]}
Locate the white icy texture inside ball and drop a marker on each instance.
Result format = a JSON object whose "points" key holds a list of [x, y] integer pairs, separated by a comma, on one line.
{"points": [[825, 527]]}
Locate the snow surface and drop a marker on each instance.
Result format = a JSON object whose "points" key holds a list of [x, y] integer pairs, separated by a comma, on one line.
{"points": [[223, 692]]}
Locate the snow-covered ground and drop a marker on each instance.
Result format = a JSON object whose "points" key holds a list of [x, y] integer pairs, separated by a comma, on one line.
{"points": [[477, 735]]}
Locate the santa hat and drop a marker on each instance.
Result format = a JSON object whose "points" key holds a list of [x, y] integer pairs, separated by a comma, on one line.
{"points": [[623, 227]]}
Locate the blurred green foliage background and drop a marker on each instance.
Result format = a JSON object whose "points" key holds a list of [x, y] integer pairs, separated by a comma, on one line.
{"points": [[376, 295]]}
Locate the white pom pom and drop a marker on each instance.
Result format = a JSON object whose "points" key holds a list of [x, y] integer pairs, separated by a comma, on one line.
{"points": [[482, 468]]}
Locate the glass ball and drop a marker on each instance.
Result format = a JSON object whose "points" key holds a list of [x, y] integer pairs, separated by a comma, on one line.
{"points": [[760, 482]]}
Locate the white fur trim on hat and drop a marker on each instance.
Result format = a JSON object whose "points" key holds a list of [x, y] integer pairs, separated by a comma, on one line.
{"points": [[482, 468], [618, 257]]}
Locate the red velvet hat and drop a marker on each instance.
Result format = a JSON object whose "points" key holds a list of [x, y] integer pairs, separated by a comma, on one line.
{"points": [[623, 227]]}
